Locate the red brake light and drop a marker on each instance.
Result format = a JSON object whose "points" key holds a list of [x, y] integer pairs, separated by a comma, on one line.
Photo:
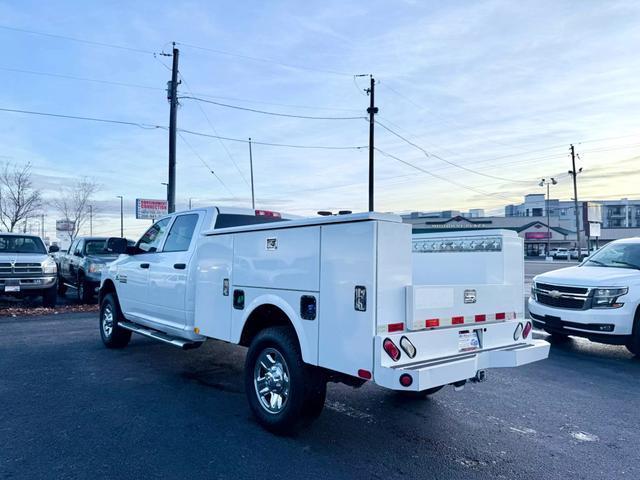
{"points": [[406, 380], [457, 320], [527, 330], [267, 213], [501, 316], [391, 349], [366, 374], [480, 318]]}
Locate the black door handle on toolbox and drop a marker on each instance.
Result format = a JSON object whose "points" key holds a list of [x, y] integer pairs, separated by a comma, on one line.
{"points": [[179, 266], [144, 265]]}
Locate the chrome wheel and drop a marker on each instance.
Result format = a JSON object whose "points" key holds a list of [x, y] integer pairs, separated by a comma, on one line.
{"points": [[107, 321], [271, 380]]}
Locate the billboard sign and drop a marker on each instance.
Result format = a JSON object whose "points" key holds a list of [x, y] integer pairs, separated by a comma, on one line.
{"points": [[65, 225], [147, 208], [537, 235]]}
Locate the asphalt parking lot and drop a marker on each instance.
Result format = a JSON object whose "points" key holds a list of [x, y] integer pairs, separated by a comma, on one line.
{"points": [[73, 409]]}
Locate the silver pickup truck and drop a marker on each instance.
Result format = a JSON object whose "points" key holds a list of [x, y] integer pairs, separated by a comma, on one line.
{"points": [[26, 269]]}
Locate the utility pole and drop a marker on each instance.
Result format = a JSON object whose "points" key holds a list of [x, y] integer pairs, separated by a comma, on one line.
{"points": [[173, 118], [42, 226], [372, 110], [121, 217], [574, 173], [253, 197], [546, 182], [91, 220]]}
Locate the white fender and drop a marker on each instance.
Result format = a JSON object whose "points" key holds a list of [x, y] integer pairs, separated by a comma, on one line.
{"points": [[307, 347]]}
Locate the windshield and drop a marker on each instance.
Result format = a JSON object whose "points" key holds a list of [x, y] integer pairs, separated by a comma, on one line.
{"points": [[18, 244], [95, 247], [619, 255]]}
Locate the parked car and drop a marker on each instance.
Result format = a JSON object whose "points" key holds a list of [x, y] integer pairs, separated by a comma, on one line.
{"points": [[560, 253], [26, 269], [80, 267], [598, 299], [584, 253]]}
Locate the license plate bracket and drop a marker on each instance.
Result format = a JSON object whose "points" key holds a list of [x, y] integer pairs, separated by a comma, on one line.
{"points": [[12, 288], [468, 341]]}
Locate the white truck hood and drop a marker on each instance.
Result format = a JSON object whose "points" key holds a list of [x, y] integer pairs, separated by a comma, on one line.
{"points": [[591, 276]]}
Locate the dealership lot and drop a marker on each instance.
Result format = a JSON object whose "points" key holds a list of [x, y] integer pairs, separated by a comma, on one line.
{"points": [[73, 409]]}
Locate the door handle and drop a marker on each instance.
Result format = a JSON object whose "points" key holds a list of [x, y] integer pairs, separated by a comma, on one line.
{"points": [[144, 265], [179, 266]]}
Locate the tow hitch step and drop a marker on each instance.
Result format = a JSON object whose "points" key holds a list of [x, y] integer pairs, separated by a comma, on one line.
{"points": [[162, 337]]}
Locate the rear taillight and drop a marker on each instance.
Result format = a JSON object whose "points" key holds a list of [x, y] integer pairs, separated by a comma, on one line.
{"points": [[501, 316], [457, 320], [480, 318], [395, 327], [366, 374], [408, 347], [527, 330], [391, 349]]}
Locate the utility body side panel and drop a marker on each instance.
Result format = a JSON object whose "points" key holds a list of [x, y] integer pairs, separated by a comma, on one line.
{"points": [[346, 336], [212, 266]]}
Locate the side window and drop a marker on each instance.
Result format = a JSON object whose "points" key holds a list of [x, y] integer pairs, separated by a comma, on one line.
{"points": [[181, 233], [78, 250], [72, 247], [150, 241]]}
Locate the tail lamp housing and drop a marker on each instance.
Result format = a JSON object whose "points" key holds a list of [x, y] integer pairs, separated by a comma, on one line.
{"points": [[392, 350]]}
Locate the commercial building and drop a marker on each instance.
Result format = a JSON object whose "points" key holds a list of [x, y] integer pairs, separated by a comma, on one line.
{"points": [[615, 219]]}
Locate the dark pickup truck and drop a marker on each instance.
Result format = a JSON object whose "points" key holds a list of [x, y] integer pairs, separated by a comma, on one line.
{"points": [[81, 266]]}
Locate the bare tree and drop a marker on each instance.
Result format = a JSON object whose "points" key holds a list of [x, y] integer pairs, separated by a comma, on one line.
{"points": [[73, 204], [19, 199]]}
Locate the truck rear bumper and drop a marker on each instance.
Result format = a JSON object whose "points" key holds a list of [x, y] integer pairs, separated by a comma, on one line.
{"points": [[443, 371]]}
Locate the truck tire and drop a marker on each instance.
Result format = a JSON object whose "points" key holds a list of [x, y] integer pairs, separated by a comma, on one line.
{"points": [[83, 289], [49, 297], [633, 345], [113, 336], [281, 389]]}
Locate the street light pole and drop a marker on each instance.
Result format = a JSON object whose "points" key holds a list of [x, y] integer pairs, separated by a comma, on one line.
{"points": [[121, 216], [548, 183]]}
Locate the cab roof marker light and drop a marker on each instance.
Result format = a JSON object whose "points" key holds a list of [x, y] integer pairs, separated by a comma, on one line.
{"points": [[267, 213]]}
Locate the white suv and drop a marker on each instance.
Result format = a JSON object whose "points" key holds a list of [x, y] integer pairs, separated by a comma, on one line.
{"points": [[597, 299]]}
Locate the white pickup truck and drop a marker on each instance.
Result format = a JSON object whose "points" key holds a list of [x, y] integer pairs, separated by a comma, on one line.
{"points": [[345, 298]]}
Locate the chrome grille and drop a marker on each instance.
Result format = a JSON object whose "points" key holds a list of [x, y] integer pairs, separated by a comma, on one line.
{"points": [[20, 269], [560, 296]]}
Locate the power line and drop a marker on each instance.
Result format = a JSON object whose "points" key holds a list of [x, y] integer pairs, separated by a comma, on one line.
{"points": [[77, 40], [427, 154], [146, 126], [441, 177], [215, 132], [269, 144], [84, 79], [264, 60], [277, 114], [207, 166]]}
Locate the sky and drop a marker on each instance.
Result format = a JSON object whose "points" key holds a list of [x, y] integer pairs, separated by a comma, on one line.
{"points": [[477, 101]]}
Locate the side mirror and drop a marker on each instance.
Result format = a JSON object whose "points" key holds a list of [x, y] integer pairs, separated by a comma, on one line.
{"points": [[54, 249], [115, 245]]}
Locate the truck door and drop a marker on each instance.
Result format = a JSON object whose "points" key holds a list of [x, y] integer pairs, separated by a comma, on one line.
{"points": [[169, 270], [75, 259], [133, 272], [64, 261]]}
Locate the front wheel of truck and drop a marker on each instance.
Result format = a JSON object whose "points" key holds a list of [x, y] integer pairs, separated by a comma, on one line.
{"points": [[113, 335], [282, 390]]}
